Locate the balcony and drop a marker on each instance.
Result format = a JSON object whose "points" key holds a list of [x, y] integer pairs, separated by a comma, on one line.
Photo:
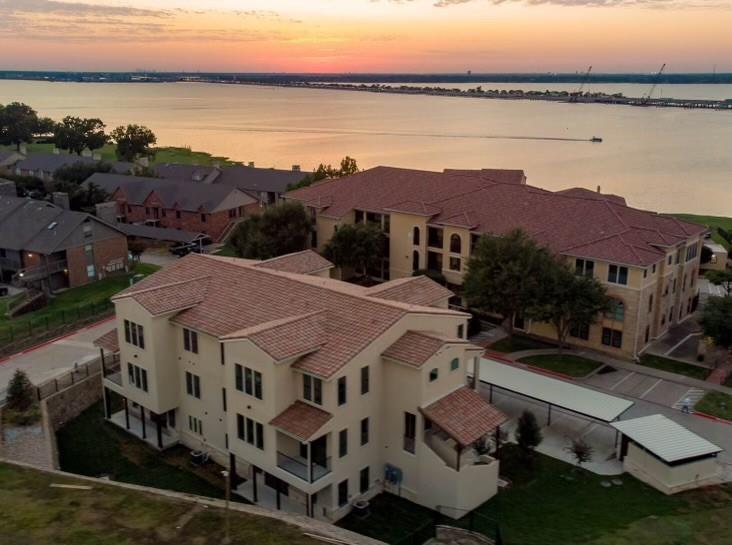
{"points": [[298, 466], [41, 271]]}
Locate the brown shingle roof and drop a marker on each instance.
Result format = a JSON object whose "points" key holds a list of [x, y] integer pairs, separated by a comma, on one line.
{"points": [[305, 262], [109, 341], [170, 297], [417, 347], [464, 415], [415, 290], [301, 420], [573, 222]]}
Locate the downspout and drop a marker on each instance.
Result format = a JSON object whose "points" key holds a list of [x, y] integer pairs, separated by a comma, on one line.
{"points": [[637, 324]]}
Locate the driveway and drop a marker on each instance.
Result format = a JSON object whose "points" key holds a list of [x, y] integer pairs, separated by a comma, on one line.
{"points": [[54, 358]]}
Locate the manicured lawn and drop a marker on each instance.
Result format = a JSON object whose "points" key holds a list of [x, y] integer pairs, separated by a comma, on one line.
{"points": [[550, 502], [90, 446], [673, 366], [519, 342], [711, 222], [568, 364], [70, 305], [107, 515], [717, 404], [227, 250]]}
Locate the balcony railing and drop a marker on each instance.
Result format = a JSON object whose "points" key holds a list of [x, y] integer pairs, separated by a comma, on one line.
{"points": [[41, 271], [299, 467]]}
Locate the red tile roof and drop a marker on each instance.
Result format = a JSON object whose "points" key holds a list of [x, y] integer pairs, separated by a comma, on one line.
{"points": [[415, 290], [109, 341], [301, 420], [572, 222], [464, 415], [305, 262], [417, 347], [241, 299]]}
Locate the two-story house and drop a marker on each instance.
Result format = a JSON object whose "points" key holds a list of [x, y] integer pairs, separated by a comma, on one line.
{"points": [[315, 393], [433, 220]]}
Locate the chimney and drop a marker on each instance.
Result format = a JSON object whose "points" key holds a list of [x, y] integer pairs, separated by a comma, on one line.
{"points": [[56, 151], [8, 189], [61, 200], [97, 156], [251, 164], [598, 189], [295, 168], [107, 211]]}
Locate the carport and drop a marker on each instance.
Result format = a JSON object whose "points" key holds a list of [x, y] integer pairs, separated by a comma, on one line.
{"points": [[555, 393], [666, 455]]}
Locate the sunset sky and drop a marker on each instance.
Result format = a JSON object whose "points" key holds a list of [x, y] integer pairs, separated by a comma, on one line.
{"points": [[367, 35]]}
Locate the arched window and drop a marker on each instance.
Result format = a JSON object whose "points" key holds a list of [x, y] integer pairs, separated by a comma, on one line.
{"points": [[415, 236], [616, 311], [415, 260], [455, 364], [456, 244]]}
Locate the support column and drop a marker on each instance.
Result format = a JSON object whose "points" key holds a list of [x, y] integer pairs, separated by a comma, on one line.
{"points": [[476, 373], [310, 463], [498, 442], [107, 403], [549, 416], [490, 393], [254, 483], [277, 494], [459, 450], [160, 432], [101, 359], [142, 416], [127, 412], [232, 470]]}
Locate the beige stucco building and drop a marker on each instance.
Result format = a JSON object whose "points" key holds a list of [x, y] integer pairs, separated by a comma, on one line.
{"points": [[315, 393], [433, 220]]}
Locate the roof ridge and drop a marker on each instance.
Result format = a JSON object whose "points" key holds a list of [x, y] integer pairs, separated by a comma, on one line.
{"points": [[266, 326], [125, 294]]}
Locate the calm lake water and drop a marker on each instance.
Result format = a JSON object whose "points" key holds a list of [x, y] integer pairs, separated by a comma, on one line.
{"points": [[663, 159]]}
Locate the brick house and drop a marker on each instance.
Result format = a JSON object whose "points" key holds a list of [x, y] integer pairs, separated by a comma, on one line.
{"points": [[49, 248], [175, 204]]}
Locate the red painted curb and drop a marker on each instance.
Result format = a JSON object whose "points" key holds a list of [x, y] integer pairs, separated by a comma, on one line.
{"points": [[51, 341], [715, 418], [497, 356]]}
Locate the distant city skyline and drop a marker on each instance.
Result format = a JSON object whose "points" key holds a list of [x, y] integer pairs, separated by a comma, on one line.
{"points": [[367, 35]]}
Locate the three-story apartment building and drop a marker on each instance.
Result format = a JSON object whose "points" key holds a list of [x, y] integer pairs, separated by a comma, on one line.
{"points": [[314, 392], [432, 220]]}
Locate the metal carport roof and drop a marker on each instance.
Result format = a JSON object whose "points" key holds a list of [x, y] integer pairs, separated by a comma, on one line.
{"points": [[574, 398], [670, 441]]}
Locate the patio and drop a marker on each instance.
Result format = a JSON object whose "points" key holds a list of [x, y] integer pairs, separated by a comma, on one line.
{"points": [[168, 438]]}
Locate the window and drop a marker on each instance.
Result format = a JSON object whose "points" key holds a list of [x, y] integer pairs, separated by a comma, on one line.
{"points": [[137, 376], [91, 271], [358, 218], [645, 273], [650, 303], [434, 261], [223, 398], [612, 337], [240, 427], [177, 214], [239, 377], [648, 333], [364, 431], [691, 252], [203, 218], [312, 389], [434, 237], [364, 480], [455, 364], [461, 331], [248, 381], [410, 432], [195, 425], [190, 341], [616, 310], [223, 360], [342, 493], [415, 236], [193, 385], [415, 260], [250, 431], [434, 374], [653, 270], [134, 334], [232, 213], [455, 264], [342, 391], [580, 331], [456, 244], [617, 274], [259, 442], [584, 267], [670, 258], [342, 443], [365, 380]]}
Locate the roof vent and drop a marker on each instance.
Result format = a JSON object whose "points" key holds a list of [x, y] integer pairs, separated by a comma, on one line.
{"points": [[52, 225]]}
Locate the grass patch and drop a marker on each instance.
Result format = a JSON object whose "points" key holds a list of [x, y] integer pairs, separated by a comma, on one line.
{"points": [[717, 404], [227, 250], [568, 364], [90, 446], [550, 502], [711, 222], [673, 366], [518, 343], [107, 515], [70, 305]]}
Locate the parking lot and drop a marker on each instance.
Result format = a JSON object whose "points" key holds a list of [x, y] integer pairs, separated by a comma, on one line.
{"points": [[640, 386]]}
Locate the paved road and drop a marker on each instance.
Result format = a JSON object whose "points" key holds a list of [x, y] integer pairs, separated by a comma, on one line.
{"points": [[54, 358]]}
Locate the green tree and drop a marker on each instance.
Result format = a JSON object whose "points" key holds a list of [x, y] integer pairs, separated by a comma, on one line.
{"points": [[18, 124], [505, 275], [347, 167], [76, 134], [20, 394], [134, 141], [280, 230], [716, 320], [357, 247], [566, 299], [528, 433], [70, 179], [721, 278], [580, 450], [46, 127]]}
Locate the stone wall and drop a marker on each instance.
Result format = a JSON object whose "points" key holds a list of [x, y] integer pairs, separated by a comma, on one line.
{"points": [[71, 402]]}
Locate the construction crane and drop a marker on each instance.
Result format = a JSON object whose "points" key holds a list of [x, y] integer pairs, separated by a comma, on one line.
{"points": [[646, 98], [578, 94]]}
